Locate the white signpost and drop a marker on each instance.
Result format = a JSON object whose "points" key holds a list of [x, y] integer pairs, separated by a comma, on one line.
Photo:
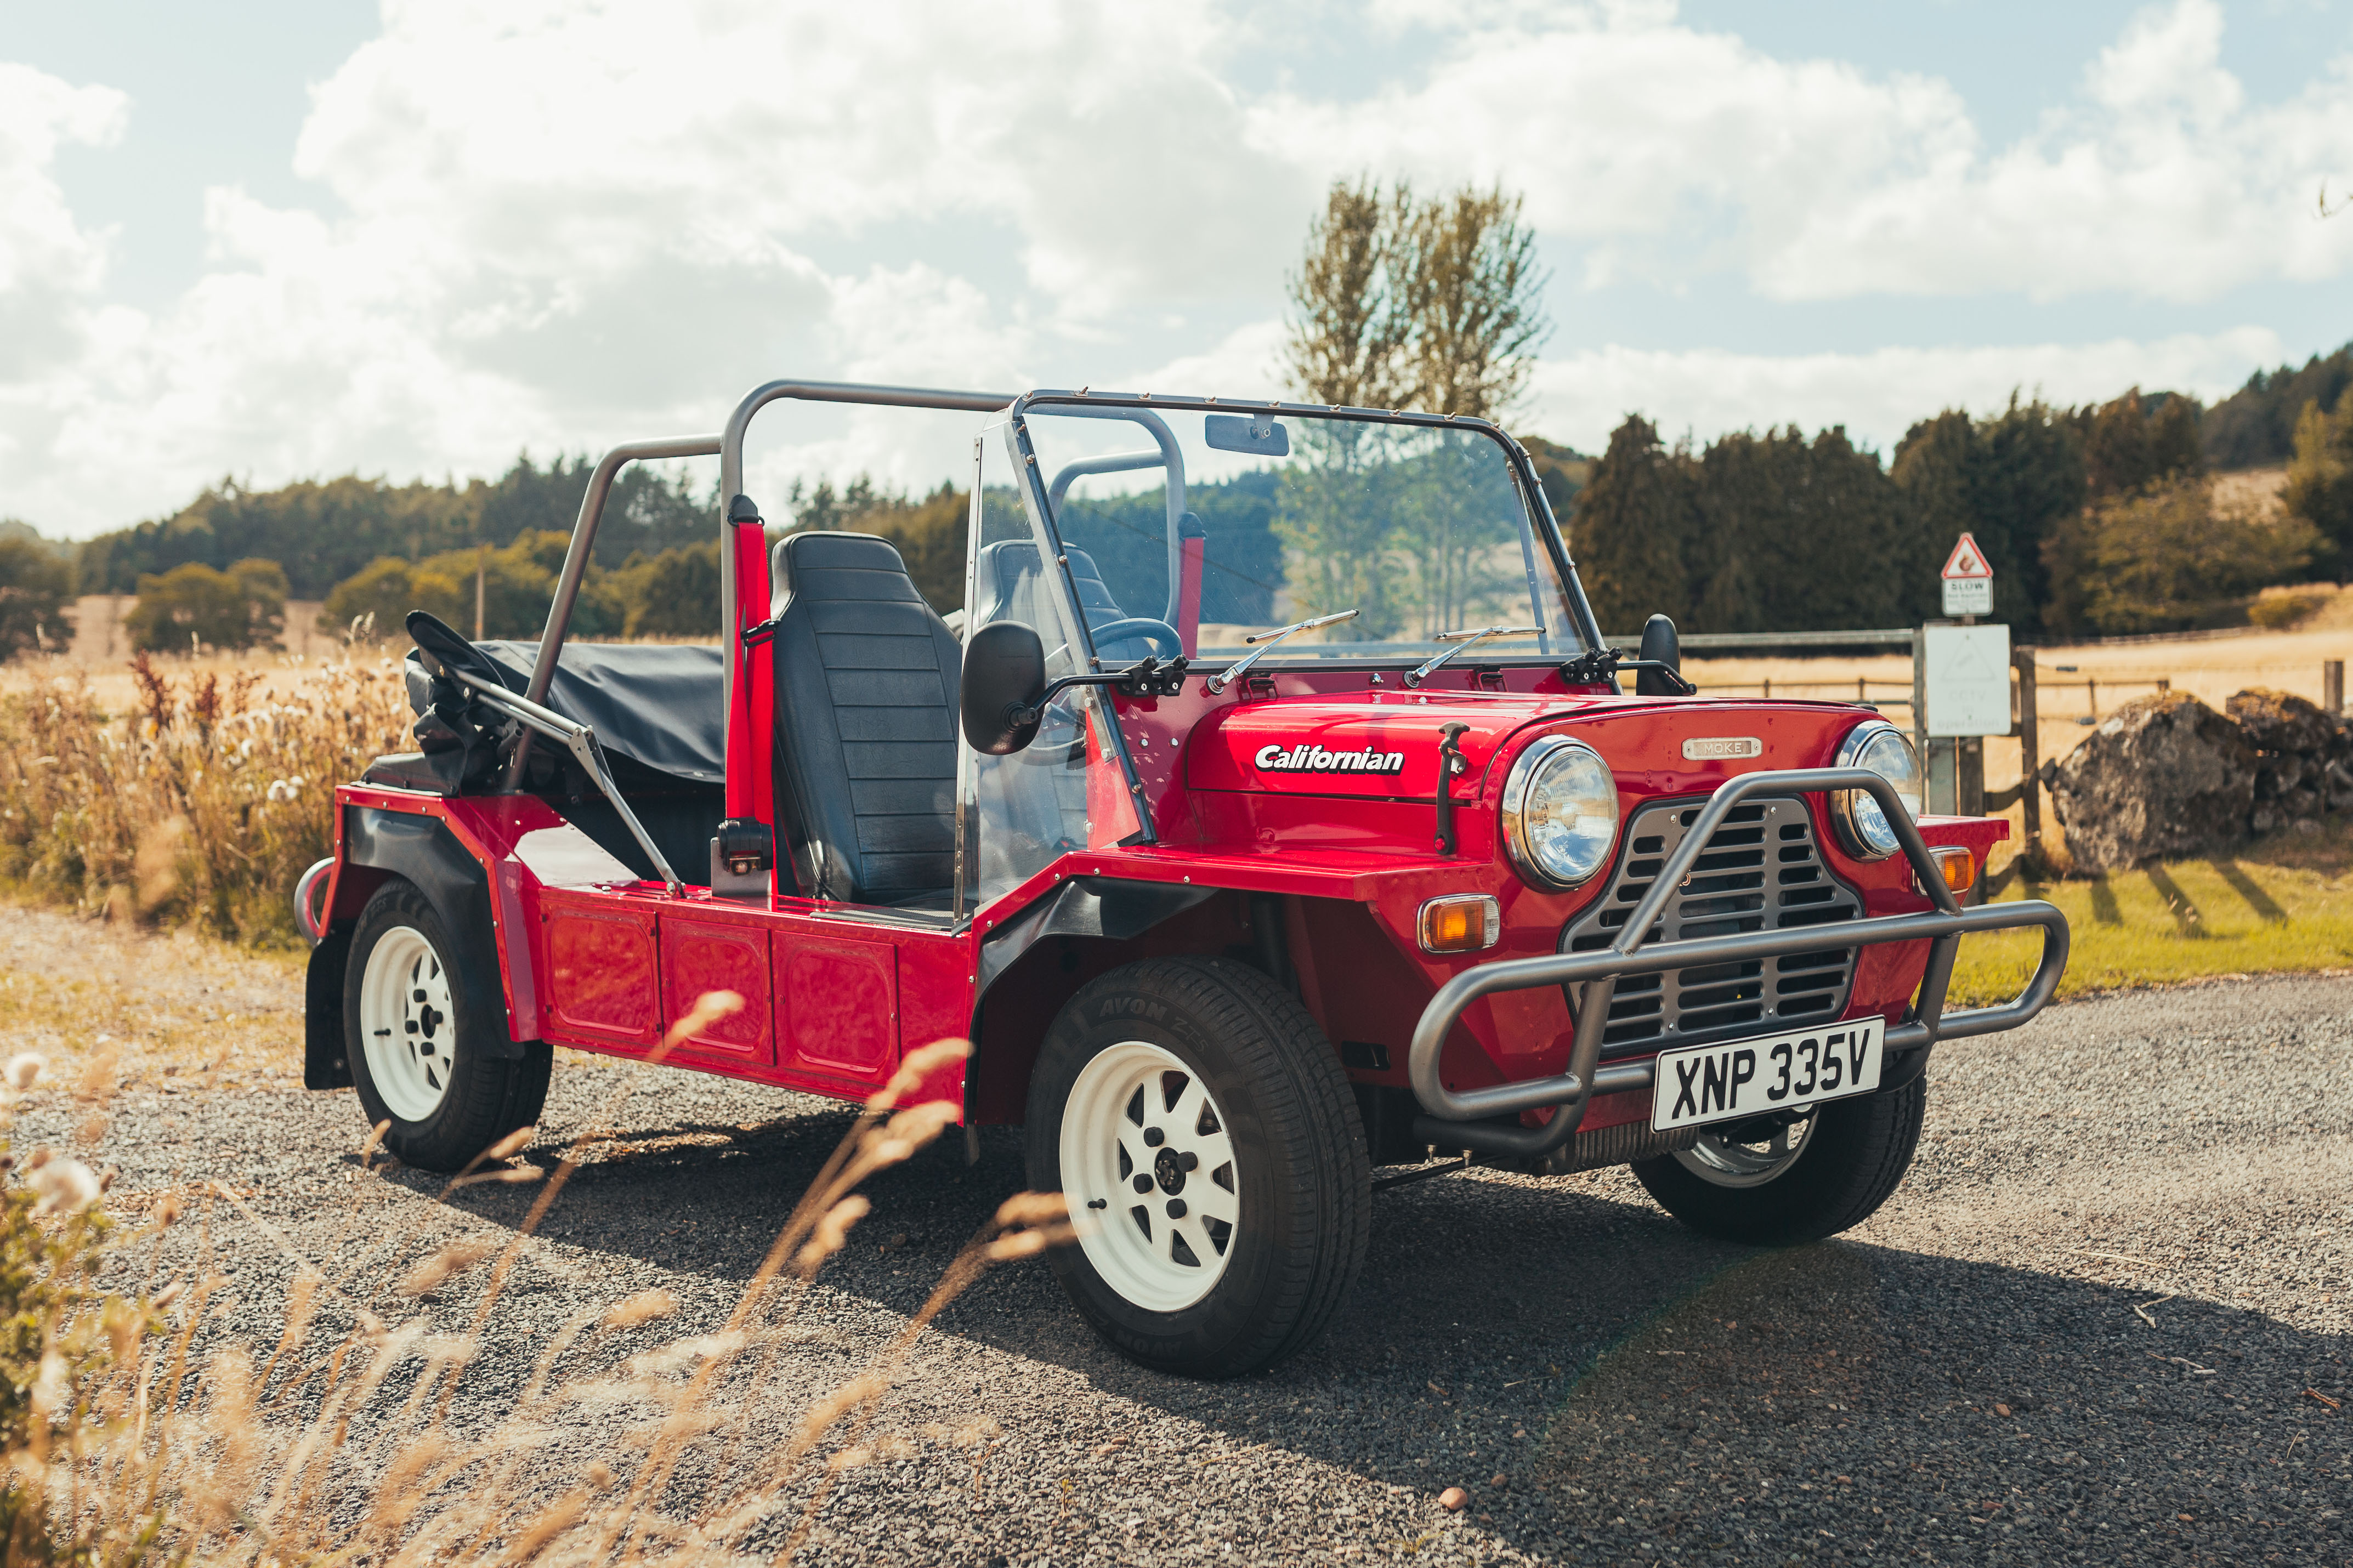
{"points": [[1965, 680], [1969, 580]]}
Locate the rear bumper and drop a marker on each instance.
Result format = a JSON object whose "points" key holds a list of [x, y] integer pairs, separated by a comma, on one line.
{"points": [[1486, 1120]]}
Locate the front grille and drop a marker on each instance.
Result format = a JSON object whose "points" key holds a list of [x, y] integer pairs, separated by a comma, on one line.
{"points": [[1762, 871]]}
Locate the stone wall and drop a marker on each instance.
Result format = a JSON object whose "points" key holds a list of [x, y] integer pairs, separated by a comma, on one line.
{"points": [[2167, 776], [2303, 763]]}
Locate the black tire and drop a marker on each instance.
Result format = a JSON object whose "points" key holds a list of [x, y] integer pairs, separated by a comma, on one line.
{"points": [[486, 1097], [1855, 1157], [1302, 1186]]}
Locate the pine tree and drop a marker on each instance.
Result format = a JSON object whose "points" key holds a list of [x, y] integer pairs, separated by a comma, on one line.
{"points": [[1636, 523], [2320, 482], [2012, 481]]}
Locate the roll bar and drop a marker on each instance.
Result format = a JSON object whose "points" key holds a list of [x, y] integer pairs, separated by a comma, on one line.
{"points": [[728, 447], [575, 567], [731, 477]]}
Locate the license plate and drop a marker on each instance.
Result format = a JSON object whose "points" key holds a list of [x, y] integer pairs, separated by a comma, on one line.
{"points": [[1701, 1084]]}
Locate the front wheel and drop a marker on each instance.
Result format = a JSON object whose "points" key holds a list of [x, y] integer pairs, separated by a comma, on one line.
{"points": [[421, 1047], [1777, 1184], [1205, 1135]]}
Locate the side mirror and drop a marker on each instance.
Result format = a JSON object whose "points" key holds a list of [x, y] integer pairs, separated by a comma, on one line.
{"points": [[1004, 678], [1659, 643]]}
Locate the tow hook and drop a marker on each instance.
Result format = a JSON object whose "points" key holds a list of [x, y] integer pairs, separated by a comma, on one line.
{"points": [[1451, 766]]}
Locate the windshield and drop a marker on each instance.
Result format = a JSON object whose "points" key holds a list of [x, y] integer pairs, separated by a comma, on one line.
{"points": [[1187, 526]]}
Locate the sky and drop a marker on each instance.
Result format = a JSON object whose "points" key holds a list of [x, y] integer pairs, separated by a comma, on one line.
{"points": [[295, 238]]}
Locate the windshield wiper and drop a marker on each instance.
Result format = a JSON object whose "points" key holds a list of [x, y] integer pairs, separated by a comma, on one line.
{"points": [[1233, 672], [1464, 640]]}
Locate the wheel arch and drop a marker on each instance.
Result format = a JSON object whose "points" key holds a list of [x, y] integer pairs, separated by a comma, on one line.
{"points": [[379, 845], [1034, 962]]}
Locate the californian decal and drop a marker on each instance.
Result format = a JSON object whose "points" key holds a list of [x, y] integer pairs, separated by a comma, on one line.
{"points": [[1304, 758]]}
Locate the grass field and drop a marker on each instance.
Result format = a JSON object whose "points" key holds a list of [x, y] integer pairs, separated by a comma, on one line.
{"points": [[2284, 905]]}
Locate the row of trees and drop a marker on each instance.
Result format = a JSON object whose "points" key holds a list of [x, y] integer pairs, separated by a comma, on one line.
{"points": [[2096, 521], [322, 533]]}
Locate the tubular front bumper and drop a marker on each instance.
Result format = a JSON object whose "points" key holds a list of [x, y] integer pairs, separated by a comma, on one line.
{"points": [[1486, 1120]]}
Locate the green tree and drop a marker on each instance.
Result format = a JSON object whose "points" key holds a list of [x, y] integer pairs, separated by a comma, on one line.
{"points": [[324, 531], [929, 533], [2164, 560], [1399, 301], [1353, 316], [1563, 471], [2010, 481], [36, 595], [2320, 481], [1776, 511], [672, 594], [2136, 442], [1472, 294], [193, 606], [518, 583], [2255, 426], [1435, 305], [1636, 534]]}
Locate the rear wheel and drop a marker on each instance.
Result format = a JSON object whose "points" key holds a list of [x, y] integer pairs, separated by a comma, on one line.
{"points": [[1776, 1184], [419, 1048], [1205, 1134]]}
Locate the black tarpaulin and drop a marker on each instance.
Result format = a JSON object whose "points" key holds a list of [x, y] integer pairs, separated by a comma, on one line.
{"points": [[657, 704]]}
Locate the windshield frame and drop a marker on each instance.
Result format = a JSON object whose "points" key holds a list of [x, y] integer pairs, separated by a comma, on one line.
{"points": [[1144, 409]]}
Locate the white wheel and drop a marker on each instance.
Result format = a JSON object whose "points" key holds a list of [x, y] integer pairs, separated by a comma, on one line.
{"points": [[1146, 1158], [407, 1023], [1724, 1161]]}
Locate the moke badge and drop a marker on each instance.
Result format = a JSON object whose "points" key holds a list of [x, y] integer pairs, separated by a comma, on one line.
{"points": [[1722, 748]]}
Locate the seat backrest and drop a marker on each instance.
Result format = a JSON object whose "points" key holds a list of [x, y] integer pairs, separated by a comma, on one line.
{"points": [[1010, 586], [866, 682]]}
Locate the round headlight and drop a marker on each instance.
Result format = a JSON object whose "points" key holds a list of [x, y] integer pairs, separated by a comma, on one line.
{"points": [[1863, 827], [1560, 811]]}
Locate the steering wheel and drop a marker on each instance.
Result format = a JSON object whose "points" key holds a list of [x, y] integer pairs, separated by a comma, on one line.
{"points": [[1160, 634]]}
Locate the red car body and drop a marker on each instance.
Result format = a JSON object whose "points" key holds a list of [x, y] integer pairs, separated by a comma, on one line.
{"points": [[601, 962]]}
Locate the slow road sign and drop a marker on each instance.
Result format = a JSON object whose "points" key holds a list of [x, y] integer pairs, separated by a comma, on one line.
{"points": [[1969, 580]]}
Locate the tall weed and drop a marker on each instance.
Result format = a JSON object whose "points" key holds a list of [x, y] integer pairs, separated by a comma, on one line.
{"points": [[202, 803], [346, 1439]]}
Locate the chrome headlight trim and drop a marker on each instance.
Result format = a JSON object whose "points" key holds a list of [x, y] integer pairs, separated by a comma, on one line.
{"points": [[1847, 817], [1548, 753]]}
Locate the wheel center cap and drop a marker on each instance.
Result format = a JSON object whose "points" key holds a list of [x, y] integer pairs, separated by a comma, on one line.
{"points": [[1169, 1171]]}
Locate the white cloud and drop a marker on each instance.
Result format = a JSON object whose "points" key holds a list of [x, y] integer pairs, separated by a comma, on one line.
{"points": [[51, 266], [562, 225], [1812, 179], [1582, 397]]}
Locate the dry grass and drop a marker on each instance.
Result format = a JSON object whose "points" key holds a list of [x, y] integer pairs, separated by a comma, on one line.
{"points": [[201, 798], [178, 1009], [336, 1442]]}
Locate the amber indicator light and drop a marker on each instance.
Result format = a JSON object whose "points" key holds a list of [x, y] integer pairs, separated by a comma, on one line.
{"points": [[1460, 923], [1958, 865]]}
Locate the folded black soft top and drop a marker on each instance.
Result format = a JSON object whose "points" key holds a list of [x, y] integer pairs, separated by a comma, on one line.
{"points": [[659, 704]]}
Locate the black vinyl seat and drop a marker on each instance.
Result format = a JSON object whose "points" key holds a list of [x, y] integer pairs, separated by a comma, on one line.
{"points": [[1011, 588], [866, 678]]}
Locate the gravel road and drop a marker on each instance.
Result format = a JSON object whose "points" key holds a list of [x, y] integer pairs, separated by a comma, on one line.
{"points": [[2105, 1319]]}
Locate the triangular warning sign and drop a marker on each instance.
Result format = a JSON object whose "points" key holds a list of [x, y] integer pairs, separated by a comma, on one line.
{"points": [[1967, 559]]}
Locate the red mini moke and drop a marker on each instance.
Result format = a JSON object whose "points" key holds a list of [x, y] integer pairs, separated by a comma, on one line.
{"points": [[1270, 812]]}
